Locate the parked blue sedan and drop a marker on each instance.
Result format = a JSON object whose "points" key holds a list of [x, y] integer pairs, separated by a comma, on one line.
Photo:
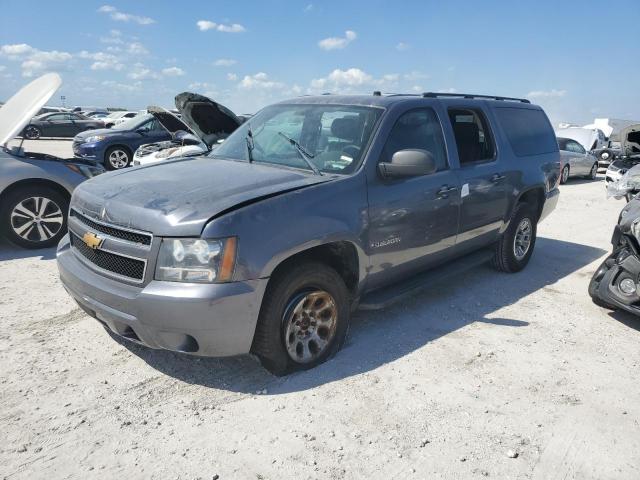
{"points": [[114, 147]]}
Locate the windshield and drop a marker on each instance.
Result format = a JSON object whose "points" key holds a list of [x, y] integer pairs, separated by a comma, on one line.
{"points": [[333, 137], [132, 123]]}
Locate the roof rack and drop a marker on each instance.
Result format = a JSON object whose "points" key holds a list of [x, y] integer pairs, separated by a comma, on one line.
{"points": [[469, 95]]}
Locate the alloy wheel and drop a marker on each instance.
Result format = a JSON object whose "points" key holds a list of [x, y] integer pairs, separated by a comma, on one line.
{"points": [[118, 159], [594, 171], [310, 325], [36, 219], [32, 133], [565, 174], [522, 239]]}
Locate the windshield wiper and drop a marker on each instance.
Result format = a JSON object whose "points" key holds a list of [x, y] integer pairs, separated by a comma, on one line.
{"points": [[250, 145], [306, 156]]}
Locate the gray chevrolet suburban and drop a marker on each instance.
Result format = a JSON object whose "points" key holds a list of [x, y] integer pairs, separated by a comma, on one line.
{"points": [[312, 208]]}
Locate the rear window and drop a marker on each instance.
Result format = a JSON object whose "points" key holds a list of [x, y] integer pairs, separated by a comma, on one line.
{"points": [[528, 131]]}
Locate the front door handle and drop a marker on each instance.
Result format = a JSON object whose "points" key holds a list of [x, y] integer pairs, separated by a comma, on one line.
{"points": [[497, 177], [445, 190]]}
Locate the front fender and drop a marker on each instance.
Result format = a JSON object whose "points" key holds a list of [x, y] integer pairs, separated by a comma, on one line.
{"points": [[273, 229]]}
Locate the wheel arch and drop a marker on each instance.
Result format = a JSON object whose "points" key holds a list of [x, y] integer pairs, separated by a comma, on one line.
{"points": [[534, 196], [341, 255], [30, 182]]}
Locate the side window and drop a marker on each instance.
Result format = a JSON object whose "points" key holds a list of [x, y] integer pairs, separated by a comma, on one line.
{"points": [[419, 129], [150, 126], [56, 117], [527, 129], [473, 137], [576, 147]]}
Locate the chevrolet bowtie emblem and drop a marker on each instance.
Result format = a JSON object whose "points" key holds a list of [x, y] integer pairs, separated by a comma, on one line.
{"points": [[92, 240]]}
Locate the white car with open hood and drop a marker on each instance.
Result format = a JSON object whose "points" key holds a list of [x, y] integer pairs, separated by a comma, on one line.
{"points": [[205, 124]]}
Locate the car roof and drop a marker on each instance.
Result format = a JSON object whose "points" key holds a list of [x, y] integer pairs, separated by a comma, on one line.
{"points": [[378, 99]]}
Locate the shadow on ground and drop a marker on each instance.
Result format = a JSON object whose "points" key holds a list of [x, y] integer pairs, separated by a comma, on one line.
{"points": [[379, 337], [8, 251], [626, 318]]}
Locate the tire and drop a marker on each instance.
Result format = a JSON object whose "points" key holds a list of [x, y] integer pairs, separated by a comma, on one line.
{"points": [[505, 258], [564, 175], [32, 132], [285, 334], [117, 158], [605, 156], [593, 174], [21, 209]]}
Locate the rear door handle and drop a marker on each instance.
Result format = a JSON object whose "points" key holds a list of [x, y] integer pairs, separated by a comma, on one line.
{"points": [[445, 190], [497, 177]]}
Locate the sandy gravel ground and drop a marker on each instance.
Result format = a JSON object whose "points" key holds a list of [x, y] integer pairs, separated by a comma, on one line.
{"points": [[441, 386]]}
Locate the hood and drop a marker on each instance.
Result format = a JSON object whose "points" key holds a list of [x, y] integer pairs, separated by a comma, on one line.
{"points": [[208, 119], [178, 197], [168, 120], [630, 140], [16, 113]]}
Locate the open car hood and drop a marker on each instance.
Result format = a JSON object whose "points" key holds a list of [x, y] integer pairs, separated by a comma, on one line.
{"points": [[168, 120], [208, 119], [630, 140], [20, 109]]}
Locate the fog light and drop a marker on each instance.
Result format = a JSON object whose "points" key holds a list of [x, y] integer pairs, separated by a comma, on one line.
{"points": [[628, 286]]}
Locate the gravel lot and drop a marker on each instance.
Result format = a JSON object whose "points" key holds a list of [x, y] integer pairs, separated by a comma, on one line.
{"points": [[441, 386]]}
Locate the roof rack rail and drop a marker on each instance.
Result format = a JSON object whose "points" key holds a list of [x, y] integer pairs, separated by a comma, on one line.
{"points": [[470, 95]]}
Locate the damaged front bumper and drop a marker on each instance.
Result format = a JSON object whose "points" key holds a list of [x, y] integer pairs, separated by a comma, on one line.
{"points": [[616, 283]]}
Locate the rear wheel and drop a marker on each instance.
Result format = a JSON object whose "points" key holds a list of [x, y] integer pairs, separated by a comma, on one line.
{"points": [[34, 217], [32, 132], [116, 158], [564, 175], [514, 249], [304, 318], [593, 174]]}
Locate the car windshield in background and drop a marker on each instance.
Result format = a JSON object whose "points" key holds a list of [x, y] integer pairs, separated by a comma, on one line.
{"points": [[132, 123], [332, 137]]}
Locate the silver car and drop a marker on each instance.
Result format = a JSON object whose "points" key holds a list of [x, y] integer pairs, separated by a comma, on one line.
{"points": [[576, 161], [35, 188]]}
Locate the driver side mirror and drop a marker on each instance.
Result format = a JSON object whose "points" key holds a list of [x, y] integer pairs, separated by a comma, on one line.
{"points": [[408, 163]]}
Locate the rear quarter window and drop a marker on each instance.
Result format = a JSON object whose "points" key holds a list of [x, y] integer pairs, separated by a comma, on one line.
{"points": [[528, 130]]}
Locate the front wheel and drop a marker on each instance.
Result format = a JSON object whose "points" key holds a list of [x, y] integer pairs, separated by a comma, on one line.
{"points": [[32, 133], [116, 158], [304, 318], [593, 174], [515, 247], [34, 217], [564, 176]]}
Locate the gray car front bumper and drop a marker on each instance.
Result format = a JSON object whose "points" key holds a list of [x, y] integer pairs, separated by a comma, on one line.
{"points": [[201, 319]]}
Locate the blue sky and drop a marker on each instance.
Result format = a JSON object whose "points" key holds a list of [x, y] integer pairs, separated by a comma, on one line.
{"points": [[577, 61]]}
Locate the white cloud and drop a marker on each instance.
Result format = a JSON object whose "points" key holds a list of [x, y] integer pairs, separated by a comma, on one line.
{"points": [[232, 77], [173, 72], [415, 76], [16, 50], [102, 61], [337, 43], [259, 81], [224, 62], [136, 48], [352, 80], [401, 46], [141, 72], [205, 25], [41, 61], [114, 38], [119, 16], [127, 87], [204, 88], [309, 7], [547, 93]]}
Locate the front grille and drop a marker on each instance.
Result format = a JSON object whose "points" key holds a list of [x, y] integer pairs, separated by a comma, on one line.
{"points": [[127, 235], [111, 262]]}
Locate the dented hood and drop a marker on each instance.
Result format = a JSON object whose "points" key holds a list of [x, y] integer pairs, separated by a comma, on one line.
{"points": [[208, 119], [177, 198]]}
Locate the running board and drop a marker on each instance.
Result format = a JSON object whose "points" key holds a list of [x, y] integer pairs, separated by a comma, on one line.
{"points": [[386, 296]]}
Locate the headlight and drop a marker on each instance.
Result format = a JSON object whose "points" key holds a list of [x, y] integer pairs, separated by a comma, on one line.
{"points": [[94, 138], [196, 260], [85, 170], [166, 152]]}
